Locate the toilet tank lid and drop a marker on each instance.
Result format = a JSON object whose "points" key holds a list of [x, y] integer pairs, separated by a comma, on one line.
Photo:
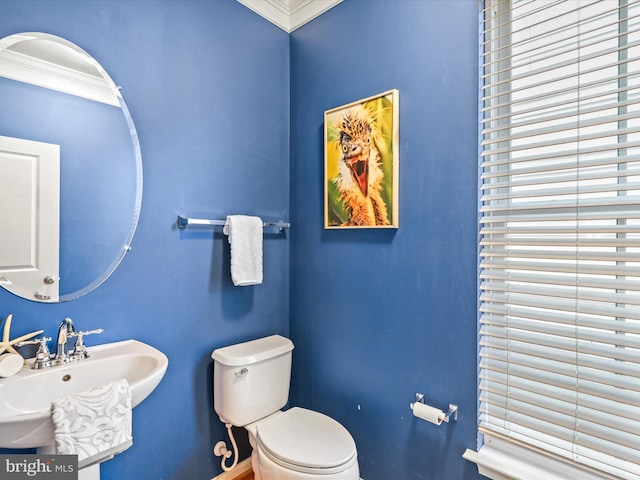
{"points": [[253, 351]]}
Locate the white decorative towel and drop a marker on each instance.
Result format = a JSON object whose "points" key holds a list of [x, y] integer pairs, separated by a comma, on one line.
{"points": [[94, 424], [245, 238]]}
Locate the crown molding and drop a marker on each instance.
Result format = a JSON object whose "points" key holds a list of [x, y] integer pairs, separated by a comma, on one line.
{"points": [[289, 14], [24, 68]]}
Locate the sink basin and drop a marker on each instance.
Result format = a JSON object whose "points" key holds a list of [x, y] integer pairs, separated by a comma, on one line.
{"points": [[25, 398]]}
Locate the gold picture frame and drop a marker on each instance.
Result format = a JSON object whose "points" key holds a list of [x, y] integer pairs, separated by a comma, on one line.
{"points": [[361, 163]]}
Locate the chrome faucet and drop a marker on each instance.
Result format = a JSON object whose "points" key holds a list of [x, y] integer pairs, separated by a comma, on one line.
{"points": [[64, 331]]}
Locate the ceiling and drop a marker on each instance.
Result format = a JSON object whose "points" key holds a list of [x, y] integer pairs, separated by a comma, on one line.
{"points": [[289, 14]]}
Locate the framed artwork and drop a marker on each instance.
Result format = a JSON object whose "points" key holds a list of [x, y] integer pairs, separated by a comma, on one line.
{"points": [[361, 163]]}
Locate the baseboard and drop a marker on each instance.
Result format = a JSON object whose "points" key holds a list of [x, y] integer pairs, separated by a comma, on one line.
{"points": [[242, 467]]}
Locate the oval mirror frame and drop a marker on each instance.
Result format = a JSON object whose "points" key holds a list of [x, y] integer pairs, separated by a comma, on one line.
{"points": [[59, 52]]}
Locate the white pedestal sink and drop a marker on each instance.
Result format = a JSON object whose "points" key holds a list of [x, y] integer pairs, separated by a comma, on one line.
{"points": [[25, 398]]}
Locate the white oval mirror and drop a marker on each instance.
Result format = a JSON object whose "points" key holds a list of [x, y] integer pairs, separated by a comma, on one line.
{"points": [[56, 98]]}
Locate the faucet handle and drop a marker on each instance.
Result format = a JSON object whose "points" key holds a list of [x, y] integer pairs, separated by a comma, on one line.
{"points": [[80, 350], [42, 341], [43, 356], [82, 333]]}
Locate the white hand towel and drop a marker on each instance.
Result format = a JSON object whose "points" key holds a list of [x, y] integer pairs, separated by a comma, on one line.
{"points": [[94, 424], [245, 238]]}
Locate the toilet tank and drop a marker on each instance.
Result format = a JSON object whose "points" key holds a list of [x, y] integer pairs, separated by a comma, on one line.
{"points": [[251, 379]]}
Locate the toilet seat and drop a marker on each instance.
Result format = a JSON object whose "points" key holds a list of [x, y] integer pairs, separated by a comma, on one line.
{"points": [[306, 441]]}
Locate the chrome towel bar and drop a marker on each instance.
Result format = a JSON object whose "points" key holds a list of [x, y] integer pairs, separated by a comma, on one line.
{"points": [[184, 222]]}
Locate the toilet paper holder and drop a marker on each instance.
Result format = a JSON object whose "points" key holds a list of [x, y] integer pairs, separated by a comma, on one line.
{"points": [[452, 413]]}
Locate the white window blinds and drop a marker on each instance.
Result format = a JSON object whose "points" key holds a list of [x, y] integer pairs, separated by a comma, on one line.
{"points": [[560, 229]]}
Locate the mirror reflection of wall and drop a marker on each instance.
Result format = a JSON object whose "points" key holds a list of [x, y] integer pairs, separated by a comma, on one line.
{"points": [[100, 173]]}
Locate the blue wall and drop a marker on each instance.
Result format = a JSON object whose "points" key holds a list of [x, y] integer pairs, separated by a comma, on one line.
{"points": [[207, 84], [377, 316]]}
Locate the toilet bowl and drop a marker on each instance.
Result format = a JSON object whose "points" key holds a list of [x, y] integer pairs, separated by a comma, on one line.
{"points": [[302, 444], [251, 385]]}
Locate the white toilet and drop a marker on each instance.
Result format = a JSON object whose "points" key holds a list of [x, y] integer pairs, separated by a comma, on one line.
{"points": [[250, 386]]}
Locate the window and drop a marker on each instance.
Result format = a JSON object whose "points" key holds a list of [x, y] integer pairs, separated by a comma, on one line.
{"points": [[559, 266]]}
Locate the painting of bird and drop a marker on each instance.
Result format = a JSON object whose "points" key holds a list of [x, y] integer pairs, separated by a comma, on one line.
{"points": [[356, 191]]}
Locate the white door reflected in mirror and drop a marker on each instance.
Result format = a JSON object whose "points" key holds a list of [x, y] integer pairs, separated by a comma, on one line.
{"points": [[30, 209]]}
